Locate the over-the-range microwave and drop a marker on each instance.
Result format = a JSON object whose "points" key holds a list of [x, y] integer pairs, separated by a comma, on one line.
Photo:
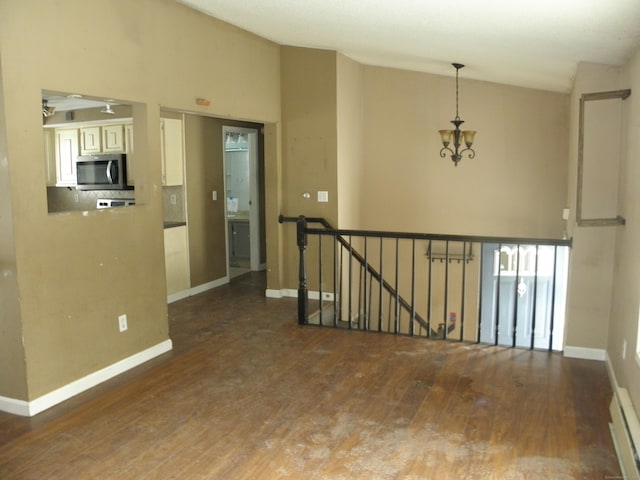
{"points": [[107, 171]]}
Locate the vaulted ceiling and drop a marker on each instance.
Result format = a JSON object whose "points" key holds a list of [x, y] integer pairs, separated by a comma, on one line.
{"points": [[529, 43]]}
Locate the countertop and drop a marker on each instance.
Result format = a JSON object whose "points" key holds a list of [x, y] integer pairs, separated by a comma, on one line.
{"points": [[174, 224], [238, 217]]}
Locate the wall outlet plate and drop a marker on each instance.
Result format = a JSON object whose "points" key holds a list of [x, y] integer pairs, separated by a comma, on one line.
{"points": [[122, 322]]}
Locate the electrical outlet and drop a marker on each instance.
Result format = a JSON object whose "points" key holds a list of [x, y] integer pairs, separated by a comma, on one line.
{"points": [[214, 195], [624, 349], [174, 200], [122, 322]]}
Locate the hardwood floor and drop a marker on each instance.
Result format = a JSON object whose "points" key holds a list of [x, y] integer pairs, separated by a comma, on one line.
{"points": [[248, 394]]}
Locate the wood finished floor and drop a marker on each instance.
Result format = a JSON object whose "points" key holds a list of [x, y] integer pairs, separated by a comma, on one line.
{"points": [[248, 394]]}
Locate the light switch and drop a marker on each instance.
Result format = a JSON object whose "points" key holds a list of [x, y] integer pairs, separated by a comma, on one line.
{"points": [[214, 195], [323, 196]]}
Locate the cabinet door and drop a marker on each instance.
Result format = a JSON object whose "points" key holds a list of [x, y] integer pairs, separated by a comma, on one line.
{"points": [[50, 157], [90, 140], [66, 155], [176, 259], [128, 149], [113, 139], [171, 151], [242, 242]]}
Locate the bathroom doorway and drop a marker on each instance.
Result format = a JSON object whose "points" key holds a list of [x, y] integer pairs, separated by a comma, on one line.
{"points": [[240, 148]]}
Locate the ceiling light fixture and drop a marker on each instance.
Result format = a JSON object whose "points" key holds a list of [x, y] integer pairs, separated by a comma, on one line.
{"points": [[457, 134], [107, 109], [47, 111]]}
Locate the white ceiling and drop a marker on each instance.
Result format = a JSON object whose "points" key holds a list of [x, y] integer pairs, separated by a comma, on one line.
{"points": [[529, 43]]}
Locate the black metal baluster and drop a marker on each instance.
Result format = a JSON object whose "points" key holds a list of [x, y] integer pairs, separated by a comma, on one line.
{"points": [[446, 289], [341, 281], [429, 291], [514, 321], [365, 312], [380, 311], [349, 313], [397, 305], [336, 296], [464, 279], [480, 282], [413, 286], [320, 276], [535, 300], [359, 307], [497, 314], [553, 297]]}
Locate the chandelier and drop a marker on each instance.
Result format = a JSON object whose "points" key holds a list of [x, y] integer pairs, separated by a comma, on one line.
{"points": [[457, 135]]}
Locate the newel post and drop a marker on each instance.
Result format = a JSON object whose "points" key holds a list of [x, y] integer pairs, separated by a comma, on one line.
{"points": [[303, 293]]}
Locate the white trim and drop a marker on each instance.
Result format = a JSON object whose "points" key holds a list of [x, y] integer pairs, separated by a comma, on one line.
{"points": [[174, 297], [13, 406], [289, 292], [48, 400], [585, 353], [209, 285]]}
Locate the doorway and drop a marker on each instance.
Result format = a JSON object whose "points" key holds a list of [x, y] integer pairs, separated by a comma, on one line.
{"points": [[240, 151]]}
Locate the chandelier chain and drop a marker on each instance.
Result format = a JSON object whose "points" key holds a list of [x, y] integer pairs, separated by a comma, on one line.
{"points": [[457, 114]]}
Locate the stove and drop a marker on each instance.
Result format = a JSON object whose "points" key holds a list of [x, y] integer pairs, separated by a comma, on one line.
{"points": [[115, 202]]}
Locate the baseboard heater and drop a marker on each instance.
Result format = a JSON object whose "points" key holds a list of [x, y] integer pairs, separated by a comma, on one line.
{"points": [[625, 430]]}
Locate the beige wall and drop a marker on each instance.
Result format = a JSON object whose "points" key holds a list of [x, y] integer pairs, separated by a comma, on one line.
{"points": [[309, 143], [516, 184], [77, 272], [206, 217], [350, 121], [625, 291], [592, 255], [13, 374]]}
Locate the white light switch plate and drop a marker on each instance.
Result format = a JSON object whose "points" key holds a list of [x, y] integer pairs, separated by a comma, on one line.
{"points": [[214, 195], [323, 196]]}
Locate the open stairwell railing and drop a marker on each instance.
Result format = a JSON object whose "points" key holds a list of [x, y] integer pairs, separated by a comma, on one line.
{"points": [[496, 290]]}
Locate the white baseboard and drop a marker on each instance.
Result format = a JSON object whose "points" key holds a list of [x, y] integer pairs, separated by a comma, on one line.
{"points": [[289, 292], [174, 297], [585, 353], [40, 404], [209, 285]]}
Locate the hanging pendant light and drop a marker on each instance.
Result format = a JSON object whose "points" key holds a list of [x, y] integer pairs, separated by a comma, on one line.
{"points": [[457, 135]]}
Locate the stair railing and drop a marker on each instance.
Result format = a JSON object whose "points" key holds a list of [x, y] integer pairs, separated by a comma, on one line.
{"points": [[497, 315]]}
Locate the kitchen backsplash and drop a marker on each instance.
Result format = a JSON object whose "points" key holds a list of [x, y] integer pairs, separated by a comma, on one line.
{"points": [[61, 199]]}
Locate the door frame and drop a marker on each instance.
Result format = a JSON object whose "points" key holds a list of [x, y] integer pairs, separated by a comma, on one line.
{"points": [[254, 192]]}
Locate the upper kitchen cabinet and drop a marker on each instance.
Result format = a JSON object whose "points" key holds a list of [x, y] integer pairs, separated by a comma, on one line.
{"points": [[113, 139], [172, 148], [50, 157], [90, 141], [66, 144], [128, 149]]}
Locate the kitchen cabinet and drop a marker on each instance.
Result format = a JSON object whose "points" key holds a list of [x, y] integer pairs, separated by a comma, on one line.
{"points": [[113, 139], [171, 151], [67, 147], [176, 259], [239, 243], [50, 156], [90, 140], [128, 149]]}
